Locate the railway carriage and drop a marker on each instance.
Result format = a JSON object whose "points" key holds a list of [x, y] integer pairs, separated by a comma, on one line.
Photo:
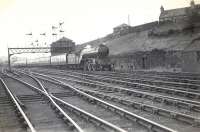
{"points": [[89, 59]]}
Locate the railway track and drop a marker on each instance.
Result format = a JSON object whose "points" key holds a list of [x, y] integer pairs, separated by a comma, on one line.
{"points": [[110, 96], [132, 118], [183, 103], [153, 80], [43, 116], [12, 115], [140, 106], [190, 76], [174, 83], [160, 98], [190, 97], [79, 114], [170, 85], [163, 76], [185, 93], [150, 76]]}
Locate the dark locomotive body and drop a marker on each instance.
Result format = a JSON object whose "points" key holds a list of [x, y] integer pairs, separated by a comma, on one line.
{"points": [[96, 59]]}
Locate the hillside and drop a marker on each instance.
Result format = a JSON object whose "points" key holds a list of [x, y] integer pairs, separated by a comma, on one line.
{"points": [[167, 36]]}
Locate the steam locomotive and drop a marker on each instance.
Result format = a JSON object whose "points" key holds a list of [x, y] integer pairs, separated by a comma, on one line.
{"points": [[88, 59], [96, 58]]}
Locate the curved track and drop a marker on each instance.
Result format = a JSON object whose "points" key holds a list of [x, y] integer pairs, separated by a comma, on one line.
{"points": [[85, 120], [120, 98], [12, 115], [129, 116], [43, 115]]}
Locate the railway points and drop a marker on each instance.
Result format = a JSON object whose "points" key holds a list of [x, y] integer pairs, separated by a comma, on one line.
{"points": [[114, 96], [71, 91], [141, 78]]}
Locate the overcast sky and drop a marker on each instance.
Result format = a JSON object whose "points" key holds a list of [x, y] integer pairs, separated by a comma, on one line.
{"points": [[84, 20]]}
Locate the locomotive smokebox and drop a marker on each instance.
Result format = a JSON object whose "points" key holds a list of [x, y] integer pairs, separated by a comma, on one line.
{"points": [[103, 51]]}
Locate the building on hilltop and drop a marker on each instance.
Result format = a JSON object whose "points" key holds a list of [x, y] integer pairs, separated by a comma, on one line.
{"points": [[180, 14], [162, 45], [121, 30]]}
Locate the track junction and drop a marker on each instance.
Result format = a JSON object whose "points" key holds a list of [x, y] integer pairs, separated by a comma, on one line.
{"points": [[38, 100]]}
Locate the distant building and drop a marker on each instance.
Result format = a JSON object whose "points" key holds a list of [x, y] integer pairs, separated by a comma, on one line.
{"points": [[63, 45], [170, 47], [121, 29], [178, 15]]}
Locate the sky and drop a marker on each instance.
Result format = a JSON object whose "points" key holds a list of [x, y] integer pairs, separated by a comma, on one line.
{"points": [[84, 20]]}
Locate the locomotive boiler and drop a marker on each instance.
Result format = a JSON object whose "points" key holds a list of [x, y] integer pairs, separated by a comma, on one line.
{"points": [[95, 58]]}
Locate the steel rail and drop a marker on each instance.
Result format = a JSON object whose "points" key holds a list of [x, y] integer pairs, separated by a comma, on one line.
{"points": [[171, 74], [151, 125], [152, 82], [55, 106], [167, 72], [158, 98], [29, 124], [150, 76], [101, 121], [180, 85], [92, 117], [192, 75], [196, 86], [124, 79], [149, 108], [159, 77], [146, 86], [129, 90]]}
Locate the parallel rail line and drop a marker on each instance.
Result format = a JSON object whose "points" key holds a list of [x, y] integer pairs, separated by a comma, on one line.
{"points": [[143, 121], [186, 104], [140, 86], [178, 85], [84, 114], [54, 106], [186, 83], [182, 75], [92, 118], [137, 105], [25, 119], [162, 98], [155, 77]]}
